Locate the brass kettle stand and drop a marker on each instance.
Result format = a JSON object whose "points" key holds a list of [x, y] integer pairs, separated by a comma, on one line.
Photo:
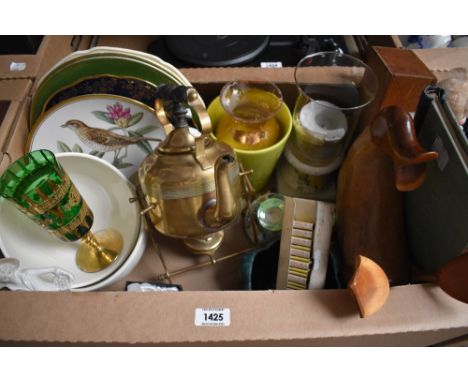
{"points": [[249, 193]]}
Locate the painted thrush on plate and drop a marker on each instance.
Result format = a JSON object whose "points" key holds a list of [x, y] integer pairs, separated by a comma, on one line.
{"points": [[102, 140]]}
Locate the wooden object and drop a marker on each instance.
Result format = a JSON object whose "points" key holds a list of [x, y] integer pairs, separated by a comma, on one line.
{"points": [[394, 133], [402, 77], [453, 277], [369, 286], [370, 217]]}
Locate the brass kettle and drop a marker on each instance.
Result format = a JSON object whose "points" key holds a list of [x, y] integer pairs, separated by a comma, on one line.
{"points": [[192, 183]]}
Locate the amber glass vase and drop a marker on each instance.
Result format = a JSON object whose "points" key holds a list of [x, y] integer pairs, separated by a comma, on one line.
{"points": [[249, 122]]}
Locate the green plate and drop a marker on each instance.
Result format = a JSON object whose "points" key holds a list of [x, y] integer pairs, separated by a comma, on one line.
{"points": [[98, 62]]}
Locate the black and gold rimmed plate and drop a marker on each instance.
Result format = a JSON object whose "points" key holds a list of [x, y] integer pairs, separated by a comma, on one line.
{"points": [[133, 88], [101, 62]]}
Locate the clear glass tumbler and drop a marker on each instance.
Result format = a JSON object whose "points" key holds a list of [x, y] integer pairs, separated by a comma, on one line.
{"points": [[333, 89]]}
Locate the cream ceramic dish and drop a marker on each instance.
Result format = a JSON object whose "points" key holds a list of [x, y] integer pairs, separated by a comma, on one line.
{"points": [[155, 61], [107, 192]]}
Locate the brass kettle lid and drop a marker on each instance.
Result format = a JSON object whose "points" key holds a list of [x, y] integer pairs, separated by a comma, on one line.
{"points": [[179, 141], [174, 99]]}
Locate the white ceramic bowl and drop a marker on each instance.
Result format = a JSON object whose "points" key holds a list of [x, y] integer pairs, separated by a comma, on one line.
{"points": [[107, 192]]}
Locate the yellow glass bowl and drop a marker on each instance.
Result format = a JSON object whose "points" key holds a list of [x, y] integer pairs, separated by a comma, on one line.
{"points": [[263, 161]]}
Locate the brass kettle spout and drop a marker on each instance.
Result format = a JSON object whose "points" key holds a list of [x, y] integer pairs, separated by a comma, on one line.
{"points": [[224, 208]]}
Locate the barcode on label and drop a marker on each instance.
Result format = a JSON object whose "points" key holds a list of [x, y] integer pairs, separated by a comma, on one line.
{"points": [[277, 64], [17, 66], [212, 317]]}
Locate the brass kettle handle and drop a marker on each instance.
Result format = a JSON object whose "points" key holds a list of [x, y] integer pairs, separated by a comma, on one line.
{"points": [[180, 95], [162, 116], [196, 104]]}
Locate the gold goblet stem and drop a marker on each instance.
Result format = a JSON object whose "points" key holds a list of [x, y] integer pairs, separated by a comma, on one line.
{"points": [[90, 239], [98, 251]]}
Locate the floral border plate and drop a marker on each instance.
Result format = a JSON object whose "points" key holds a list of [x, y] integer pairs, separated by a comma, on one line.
{"points": [[101, 61], [107, 192], [119, 130]]}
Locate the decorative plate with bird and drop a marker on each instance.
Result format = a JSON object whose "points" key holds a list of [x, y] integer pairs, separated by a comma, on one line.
{"points": [[120, 130]]}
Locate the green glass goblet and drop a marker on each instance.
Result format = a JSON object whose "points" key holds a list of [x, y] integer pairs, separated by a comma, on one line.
{"points": [[40, 188]]}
